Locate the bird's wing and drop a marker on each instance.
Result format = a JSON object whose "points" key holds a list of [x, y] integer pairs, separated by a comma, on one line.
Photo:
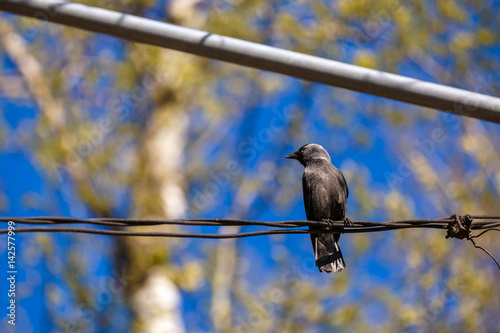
{"points": [[345, 183]]}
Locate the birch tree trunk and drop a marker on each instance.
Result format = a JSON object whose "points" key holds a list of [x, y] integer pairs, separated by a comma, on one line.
{"points": [[156, 300]]}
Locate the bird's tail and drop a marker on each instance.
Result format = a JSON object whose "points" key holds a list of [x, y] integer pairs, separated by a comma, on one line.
{"points": [[327, 252]]}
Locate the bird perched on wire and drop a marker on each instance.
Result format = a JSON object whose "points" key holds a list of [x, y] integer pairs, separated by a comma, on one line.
{"points": [[325, 199]]}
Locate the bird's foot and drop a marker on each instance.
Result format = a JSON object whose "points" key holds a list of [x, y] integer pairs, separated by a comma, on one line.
{"points": [[328, 221], [347, 222]]}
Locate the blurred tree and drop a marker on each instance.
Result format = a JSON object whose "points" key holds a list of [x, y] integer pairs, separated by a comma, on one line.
{"points": [[132, 130]]}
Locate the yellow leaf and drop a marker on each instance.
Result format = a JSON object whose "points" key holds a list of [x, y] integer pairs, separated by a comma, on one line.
{"points": [[485, 36], [365, 59]]}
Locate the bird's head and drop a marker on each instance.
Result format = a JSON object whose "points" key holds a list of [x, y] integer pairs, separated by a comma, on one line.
{"points": [[310, 152]]}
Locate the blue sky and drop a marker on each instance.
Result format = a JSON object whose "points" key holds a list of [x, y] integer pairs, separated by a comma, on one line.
{"points": [[30, 192]]}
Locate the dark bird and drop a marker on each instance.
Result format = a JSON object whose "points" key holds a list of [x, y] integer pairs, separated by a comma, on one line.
{"points": [[325, 199]]}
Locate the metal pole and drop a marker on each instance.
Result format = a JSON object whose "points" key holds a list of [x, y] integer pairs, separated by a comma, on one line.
{"points": [[259, 56]]}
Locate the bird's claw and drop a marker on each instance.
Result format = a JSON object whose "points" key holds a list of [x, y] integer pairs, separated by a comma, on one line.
{"points": [[328, 221], [347, 222]]}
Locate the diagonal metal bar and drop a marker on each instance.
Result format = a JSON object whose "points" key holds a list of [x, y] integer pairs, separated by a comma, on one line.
{"points": [[307, 67]]}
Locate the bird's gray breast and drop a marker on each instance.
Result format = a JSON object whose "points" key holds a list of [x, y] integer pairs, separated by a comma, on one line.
{"points": [[325, 192]]}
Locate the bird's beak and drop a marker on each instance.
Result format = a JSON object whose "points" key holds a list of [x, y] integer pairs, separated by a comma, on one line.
{"points": [[294, 156]]}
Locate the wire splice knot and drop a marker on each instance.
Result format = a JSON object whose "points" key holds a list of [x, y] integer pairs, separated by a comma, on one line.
{"points": [[460, 226]]}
